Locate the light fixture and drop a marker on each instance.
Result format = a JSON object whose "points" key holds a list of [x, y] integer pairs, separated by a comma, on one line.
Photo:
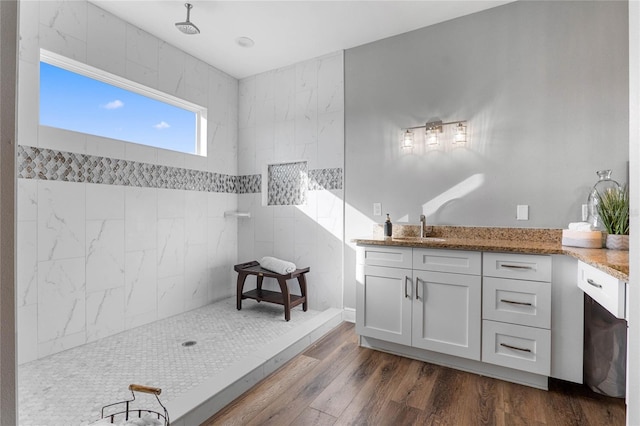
{"points": [[406, 142], [245, 42], [461, 133], [433, 130], [187, 27]]}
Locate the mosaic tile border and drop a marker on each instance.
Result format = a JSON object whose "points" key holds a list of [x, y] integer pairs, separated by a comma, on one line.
{"points": [[249, 184], [325, 179], [47, 164]]}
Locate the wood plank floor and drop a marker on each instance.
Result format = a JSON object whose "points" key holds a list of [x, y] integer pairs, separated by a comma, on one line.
{"points": [[336, 382]]}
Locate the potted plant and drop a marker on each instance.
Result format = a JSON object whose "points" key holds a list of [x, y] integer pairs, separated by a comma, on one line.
{"points": [[613, 210]]}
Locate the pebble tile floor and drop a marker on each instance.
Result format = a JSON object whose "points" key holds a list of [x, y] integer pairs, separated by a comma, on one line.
{"points": [[70, 387]]}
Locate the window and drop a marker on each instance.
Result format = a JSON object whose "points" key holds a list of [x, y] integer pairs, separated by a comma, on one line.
{"points": [[76, 97]]}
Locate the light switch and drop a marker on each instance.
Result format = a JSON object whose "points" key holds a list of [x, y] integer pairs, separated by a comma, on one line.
{"points": [[377, 209], [522, 212], [585, 212]]}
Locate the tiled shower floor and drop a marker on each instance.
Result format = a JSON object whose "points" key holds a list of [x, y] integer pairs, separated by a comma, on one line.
{"points": [[70, 387]]}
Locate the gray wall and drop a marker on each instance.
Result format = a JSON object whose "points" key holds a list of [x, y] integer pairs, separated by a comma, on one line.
{"points": [[544, 87]]}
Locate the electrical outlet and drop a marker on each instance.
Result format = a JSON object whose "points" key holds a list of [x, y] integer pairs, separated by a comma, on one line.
{"points": [[522, 212], [585, 212], [377, 209]]}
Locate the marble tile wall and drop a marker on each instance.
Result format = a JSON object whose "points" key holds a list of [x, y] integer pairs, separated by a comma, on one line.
{"points": [[104, 248], [290, 115], [95, 259]]}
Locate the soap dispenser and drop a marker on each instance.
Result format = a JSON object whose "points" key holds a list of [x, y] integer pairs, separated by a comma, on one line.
{"points": [[387, 227]]}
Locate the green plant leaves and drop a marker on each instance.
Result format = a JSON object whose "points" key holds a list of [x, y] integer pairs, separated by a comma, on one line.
{"points": [[613, 210]]}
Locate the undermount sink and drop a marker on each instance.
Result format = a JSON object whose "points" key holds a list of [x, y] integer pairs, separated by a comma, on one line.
{"points": [[418, 239]]}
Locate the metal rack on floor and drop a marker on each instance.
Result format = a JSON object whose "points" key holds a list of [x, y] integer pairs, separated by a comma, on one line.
{"points": [[124, 413]]}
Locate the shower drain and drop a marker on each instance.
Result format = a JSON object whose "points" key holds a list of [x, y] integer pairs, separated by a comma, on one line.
{"points": [[189, 343]]}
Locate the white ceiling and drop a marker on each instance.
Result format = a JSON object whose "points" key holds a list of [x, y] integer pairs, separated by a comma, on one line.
{"points": [[285, 32]]}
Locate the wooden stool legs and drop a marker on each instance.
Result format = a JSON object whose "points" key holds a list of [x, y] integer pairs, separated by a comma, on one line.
{"points": [[302, 282], [284, 290], [240, 284], [286, 298]]}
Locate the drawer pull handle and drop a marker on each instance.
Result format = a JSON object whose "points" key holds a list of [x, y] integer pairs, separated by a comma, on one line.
{"points": [[515, 348], [517, 267], [513, 302], [593, 283], [406, 278], [417, 285]]}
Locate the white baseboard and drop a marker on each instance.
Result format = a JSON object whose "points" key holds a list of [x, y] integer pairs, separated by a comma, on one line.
{"points": [[349, 315]]}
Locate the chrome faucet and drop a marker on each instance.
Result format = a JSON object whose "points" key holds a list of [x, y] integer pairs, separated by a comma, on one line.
{"points": [[423, 223]]}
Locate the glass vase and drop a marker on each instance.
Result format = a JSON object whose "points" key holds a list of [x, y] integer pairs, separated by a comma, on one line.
{"points": [[604, 184]]}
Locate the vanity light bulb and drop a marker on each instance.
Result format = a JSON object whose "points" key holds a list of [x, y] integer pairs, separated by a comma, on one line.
{"points": [[407, 140], [461, 133], [432, 136]]}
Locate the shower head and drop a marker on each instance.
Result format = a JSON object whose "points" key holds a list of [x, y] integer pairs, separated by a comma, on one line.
{"points": [[187, 26]]}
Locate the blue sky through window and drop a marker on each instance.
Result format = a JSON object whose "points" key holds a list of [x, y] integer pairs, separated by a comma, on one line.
{"points": [[75, 102]]}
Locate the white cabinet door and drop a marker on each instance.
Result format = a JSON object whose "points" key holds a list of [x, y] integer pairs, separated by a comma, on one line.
{"points": [[383, 303], [446, 313]]}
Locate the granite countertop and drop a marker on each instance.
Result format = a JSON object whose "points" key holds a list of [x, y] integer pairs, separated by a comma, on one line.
{"points": [[613, 262], [514, 240]]}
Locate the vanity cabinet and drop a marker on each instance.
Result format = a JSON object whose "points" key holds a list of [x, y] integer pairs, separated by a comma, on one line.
{"points": [[517, 317], [516, 326], [423, 298]]}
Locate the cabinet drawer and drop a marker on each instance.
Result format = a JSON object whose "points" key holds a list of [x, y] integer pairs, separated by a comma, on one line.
{"points": [[452, 261], [517, 346], [608, 291], [518, 266], [394, 257], [516, 301]]}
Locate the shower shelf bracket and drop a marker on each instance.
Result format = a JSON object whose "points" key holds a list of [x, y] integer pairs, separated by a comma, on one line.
{"points": [[237, 214]]}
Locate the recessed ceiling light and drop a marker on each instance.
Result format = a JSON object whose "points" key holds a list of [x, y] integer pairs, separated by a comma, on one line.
{"points": [[245, 42]]}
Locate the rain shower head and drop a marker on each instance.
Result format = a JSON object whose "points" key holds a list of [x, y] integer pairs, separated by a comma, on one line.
{"points": [[187, 26]]}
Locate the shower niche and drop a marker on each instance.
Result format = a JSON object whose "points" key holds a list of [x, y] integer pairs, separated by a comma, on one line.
{"points": [[285, 184]]}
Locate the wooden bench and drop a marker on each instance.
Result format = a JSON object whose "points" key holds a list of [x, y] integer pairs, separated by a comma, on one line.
{"points": [[283, 298]]}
